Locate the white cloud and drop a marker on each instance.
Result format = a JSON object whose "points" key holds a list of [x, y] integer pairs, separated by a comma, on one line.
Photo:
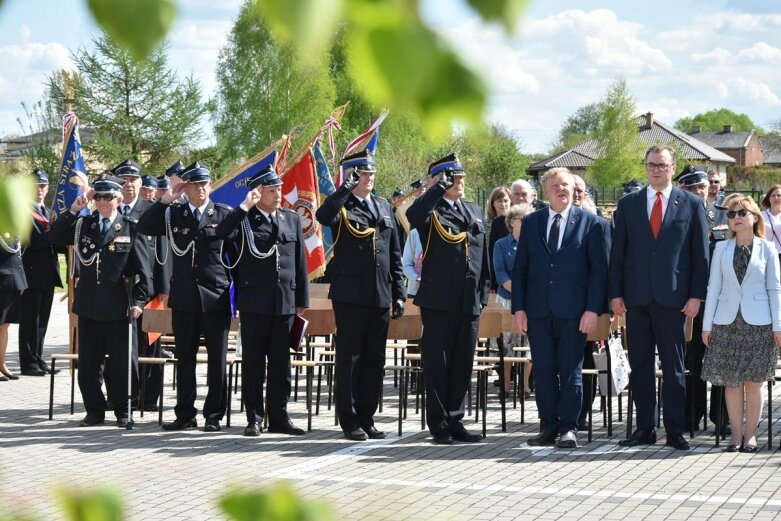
{"points": [[757, 91], [717, 55], [761, 52]]}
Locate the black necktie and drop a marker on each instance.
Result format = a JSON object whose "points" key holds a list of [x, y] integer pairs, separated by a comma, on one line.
{"points": [[553, 235], [105, 227], [368, 207], [197, 215], [459, 211], [273, 224]]}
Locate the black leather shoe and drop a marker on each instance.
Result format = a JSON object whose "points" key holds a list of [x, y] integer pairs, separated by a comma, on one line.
{"points": [[677, 442], [373, 433], [35, 371], [180, 424], [647, 437], [285, 428], [3, 378], [212, 425], [543, 439], [252, 429], [122, 421], [751, 449], [11, 376], [443, 439], [459, 433], [355, 435], [90, 420], [151, 407], [48, 370]]}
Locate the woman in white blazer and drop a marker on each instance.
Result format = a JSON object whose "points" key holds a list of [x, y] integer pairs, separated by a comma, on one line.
{"points": [[742, 318]]}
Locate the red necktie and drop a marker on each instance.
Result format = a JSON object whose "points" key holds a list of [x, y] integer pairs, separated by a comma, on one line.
{"points": [[656, 216]]}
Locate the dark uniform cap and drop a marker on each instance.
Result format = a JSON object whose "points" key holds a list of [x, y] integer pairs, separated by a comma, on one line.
{"points": [[108, 184], [632, 186], [362, 161], [196, 173], [416, 184], [398, 192], [41, 177], [149, 182], [449, 162], [163, 183], [693, 175], [128, 167], [175, 169], [266, 177]]}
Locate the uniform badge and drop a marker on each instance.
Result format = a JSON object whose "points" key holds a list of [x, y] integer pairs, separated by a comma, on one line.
{"points": [[281, 217], [84, 250], [117, 227], [185, 231], [176, 230], [91, 246], [93, 226], [711, 215], [257, 217], [186, 213], [210, 212], [111, 247], [122, 239]]}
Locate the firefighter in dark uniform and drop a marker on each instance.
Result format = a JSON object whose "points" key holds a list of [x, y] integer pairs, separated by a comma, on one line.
{"points": [[42, 269], [199, 294], [367, 286], [148, 188], [109, 257], [271, 286], [454, 286]]}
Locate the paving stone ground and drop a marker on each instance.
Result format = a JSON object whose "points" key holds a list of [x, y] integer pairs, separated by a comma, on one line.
{"points": [[180, 475]]}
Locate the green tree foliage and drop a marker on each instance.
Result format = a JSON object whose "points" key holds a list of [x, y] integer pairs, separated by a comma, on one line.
{"points": [[617, 139], [714, 121], [137, 109], [264, 90], [40, 126], [578, 127], [490, 156]]}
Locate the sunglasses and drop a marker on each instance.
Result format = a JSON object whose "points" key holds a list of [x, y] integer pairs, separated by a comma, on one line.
{"points": [[714, 182], [103, 197], [731, 214]]}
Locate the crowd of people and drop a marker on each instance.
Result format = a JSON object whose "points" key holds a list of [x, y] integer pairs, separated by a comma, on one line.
{"points": [[673, 248]]}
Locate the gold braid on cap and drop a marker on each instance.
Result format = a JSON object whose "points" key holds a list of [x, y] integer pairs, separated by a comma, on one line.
{"points": [[355, 232], [446, 236]]}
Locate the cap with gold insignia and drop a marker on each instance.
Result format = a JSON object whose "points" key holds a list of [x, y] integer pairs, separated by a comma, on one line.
{"points": [[163, 183], [362, 161]]}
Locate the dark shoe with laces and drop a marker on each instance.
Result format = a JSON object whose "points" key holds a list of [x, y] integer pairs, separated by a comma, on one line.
{"points": [[373, 433], [285, 427], [35, 371], [677, 442], [355, 435], [645, 437], [252, 429], [90, 420], [180, 424], [212, 425], [546, 438], [443, 439], [459, 433]]}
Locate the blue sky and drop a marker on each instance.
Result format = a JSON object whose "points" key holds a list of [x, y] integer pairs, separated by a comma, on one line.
{"points": [[679, 57]]}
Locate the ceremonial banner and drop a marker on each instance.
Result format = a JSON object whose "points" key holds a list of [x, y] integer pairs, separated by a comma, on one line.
{"points": [[366, 141], [326, 187], [72, 178], [300, 193], [232, 189]]}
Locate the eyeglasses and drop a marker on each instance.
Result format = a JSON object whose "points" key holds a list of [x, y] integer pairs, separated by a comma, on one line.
{"points": [[714, 182], [103, 197], [579, 191], [657, 166], [739, 213]]}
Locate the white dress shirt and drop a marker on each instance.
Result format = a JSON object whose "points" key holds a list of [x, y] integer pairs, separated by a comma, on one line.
{"points": [[562, 224], [651, 199]]}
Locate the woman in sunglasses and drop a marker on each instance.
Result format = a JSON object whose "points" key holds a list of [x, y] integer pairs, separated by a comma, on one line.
{"points": [[742, 318], [771, 211]]}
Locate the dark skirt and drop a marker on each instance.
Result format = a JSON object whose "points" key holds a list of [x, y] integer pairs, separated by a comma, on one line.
{"points": [[740, 352], [9, 308]]}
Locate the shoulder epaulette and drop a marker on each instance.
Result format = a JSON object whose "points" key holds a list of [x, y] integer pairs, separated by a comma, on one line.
{"points": [[223, 206]]}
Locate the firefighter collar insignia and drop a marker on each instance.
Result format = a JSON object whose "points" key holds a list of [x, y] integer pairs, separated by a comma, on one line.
{"points": [[711, 215], [210, 212], [111, 247], [117, 227]]}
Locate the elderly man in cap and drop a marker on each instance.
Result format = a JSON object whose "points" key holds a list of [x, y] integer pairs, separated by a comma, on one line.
{"points": [[454, 286], [148, 188], [271, 287], [199, 295], [109, 257], [42, 268], [367, 288]]}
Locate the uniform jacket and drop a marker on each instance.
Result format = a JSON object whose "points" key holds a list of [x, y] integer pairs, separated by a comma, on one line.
{"points": [[566, 283], [200, 282], [668, 270], [100, 293], [260, 287], [718, 227], [39, 256], [12, 275], [358, 274], [455, 278], [758, 297]]}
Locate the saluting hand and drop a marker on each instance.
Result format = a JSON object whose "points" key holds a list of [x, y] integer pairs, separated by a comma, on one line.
{"points": [[252, 198], [174, 194], [79, 203]]}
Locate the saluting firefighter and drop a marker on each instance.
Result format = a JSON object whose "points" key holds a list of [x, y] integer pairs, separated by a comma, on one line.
{"points": [[454, 286], [108, 257], [366, 282], [199, 294], [271, 286]]}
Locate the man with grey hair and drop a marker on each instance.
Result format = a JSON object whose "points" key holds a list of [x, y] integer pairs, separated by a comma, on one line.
{"points": [[559, 286]]}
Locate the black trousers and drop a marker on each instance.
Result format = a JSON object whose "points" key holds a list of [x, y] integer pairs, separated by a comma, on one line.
{"points": [[695, 351], [588, 380], [187, 329], [139, 346], [448, 349], [265, 336], [661, 327], [360, 358], [98, 338], [35, 306]]}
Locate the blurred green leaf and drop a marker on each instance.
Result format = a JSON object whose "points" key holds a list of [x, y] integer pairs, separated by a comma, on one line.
{"points": [[137, 25], [310, 23], [280, 503], [506, 11], [91, 505], [16, 192], [399, 62]]}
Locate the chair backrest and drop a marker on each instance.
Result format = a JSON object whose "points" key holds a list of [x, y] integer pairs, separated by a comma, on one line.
{"points": [[406, 327], [490, 324], [321, 321]]}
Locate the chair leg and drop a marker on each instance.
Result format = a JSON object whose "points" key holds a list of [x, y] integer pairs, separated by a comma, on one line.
{"points": [[658, 402], [160, 398], [73, 386], [402, 389], [51, 392], [173, 382], [422, 402], [142, 388], [484, 401], [310, 375], [230, 377], [379, 405], [319, 380], [691, 407], [770, 415]]}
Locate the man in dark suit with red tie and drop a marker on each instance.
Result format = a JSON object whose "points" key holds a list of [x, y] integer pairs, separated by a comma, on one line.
{"points": [[559, 286], [42, 269], [657, 277]]}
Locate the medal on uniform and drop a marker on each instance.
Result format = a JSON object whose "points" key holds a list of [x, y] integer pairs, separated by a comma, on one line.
{"points": [[176, 230], [93, 226], [186, 213], [711, 215], [91, 246], [111, 247], [210, 212], [84, 250], [117, 227]]}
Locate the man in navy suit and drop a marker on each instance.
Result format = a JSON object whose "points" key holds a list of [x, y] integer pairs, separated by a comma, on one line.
{"points": [[559, 287], [656, 277]]}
